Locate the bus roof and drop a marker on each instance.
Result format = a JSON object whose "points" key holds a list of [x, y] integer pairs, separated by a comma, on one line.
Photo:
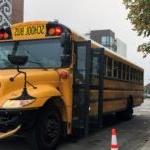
{"points": [[109, 52], [114, 54]]}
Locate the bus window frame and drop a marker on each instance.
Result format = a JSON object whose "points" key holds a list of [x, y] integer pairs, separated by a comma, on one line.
{"points": [[128, 72]]}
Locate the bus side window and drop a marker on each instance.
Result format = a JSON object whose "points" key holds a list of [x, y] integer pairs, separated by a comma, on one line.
{"points": [[81, 68], [124, 72], [95, 71], [109, 67], [115, 69], [134, 75], [142, 77], [138, 76], [127, 73], [119, 70], [105, 66], [131, 74]]}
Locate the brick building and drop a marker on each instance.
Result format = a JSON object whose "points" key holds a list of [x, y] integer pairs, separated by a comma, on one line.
{"points": [[11, 11], [107, 38], [17, 11], [104, 37]]}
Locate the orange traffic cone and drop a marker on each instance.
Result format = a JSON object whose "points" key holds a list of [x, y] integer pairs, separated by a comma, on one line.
{"points": [[114, 145]]}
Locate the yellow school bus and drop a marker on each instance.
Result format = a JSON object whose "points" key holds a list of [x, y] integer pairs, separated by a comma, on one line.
{"points": [[55, 82]]}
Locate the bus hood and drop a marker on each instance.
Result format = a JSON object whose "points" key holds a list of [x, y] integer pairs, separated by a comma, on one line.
{"points": [[43, 80]]}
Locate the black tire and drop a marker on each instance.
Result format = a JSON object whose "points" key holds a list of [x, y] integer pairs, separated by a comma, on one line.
{"points": [[48, 129], [128, 113], [125, 115]]}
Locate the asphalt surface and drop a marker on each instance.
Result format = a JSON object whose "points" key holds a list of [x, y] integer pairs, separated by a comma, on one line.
{"points": [[131, 135]]}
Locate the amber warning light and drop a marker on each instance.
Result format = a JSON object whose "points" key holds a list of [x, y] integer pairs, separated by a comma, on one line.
{"points": [[64, 74], [55, 31], [4, 35]]}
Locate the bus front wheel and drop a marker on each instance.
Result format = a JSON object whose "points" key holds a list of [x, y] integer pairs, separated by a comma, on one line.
{"points": [[48, 129]]}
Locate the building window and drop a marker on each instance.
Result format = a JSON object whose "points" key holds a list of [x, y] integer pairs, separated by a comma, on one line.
{"points": [[105, 40], [111, 41]]}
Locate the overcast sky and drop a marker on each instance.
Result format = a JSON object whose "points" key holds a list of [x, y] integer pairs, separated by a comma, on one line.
{"points": [[86, 15]]}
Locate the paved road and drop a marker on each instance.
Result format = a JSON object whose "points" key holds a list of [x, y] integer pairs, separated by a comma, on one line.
{"points": [[132, 135]]}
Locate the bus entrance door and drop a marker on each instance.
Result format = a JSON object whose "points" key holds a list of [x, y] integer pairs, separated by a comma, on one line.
{"points": [[96, 88], [81, 87]]}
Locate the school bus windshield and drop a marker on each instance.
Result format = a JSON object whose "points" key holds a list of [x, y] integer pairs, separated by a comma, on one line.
{"points": [[45, 53]]}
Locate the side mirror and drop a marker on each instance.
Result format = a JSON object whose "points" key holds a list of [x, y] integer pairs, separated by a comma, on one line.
{"points": [[18, 60]]}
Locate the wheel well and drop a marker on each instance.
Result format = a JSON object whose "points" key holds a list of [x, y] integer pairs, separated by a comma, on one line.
{"points": [[60, 105], [130, 101]]}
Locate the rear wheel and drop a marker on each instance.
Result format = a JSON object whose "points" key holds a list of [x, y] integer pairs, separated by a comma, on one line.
{"points": [[128, 113], [48, 129], [125, 115]]}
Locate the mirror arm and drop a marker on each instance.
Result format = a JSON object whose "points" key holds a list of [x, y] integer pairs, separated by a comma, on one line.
{"points": [[13, 78], [19, 72], [25, 78], [34, 87]]}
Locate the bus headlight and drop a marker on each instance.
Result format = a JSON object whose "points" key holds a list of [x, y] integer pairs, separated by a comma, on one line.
{"points": [[17, 103]]}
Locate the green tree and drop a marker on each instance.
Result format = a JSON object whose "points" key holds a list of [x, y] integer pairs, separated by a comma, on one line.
{"points": [[139, 15]]}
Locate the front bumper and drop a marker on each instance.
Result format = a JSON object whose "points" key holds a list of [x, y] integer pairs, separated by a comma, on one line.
{"points": [[12, 121], [9, 133]]}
